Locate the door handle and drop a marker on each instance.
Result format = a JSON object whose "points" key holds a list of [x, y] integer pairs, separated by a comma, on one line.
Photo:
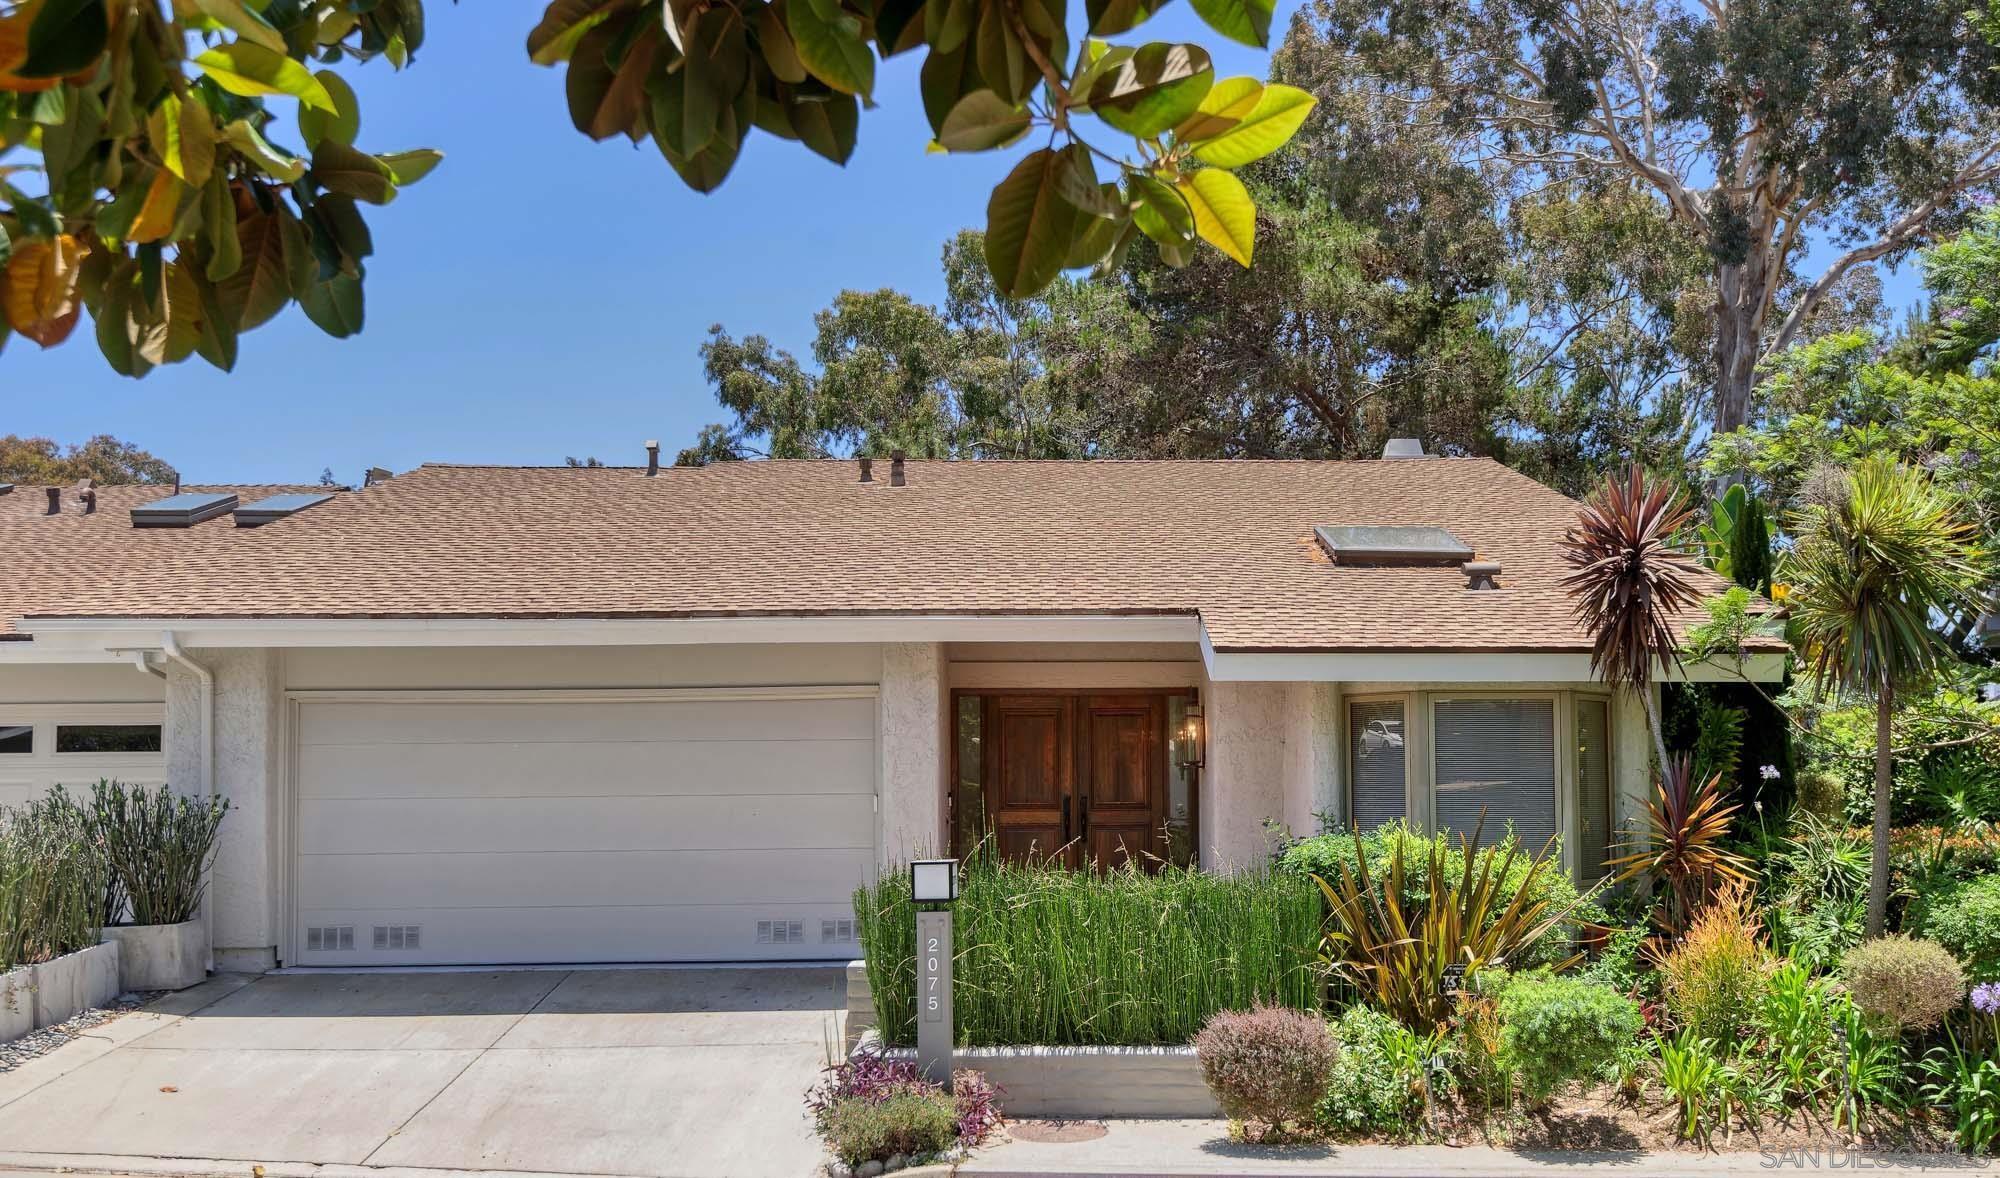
{"points": [[1083, 813], [1065, 819]]}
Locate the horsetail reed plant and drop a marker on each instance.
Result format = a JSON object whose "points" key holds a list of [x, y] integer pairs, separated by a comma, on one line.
{"points": [[1047, 955], [52, 882], [159, 846]]}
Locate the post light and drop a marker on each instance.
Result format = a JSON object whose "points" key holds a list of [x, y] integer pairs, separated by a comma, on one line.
{"points": [[1192, 738], [934, 882]]}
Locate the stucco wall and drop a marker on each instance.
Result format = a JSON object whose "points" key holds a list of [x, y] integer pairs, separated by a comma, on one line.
{"points": [[914, 712], [1243, 781], [105, 683]]}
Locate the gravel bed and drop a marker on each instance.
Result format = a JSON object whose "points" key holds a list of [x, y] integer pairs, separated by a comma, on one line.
{"points": [[16, 1052]]}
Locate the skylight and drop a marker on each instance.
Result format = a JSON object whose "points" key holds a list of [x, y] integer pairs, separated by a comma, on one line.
{"points": [[183, 510], [276, 507], [1392, 545]]}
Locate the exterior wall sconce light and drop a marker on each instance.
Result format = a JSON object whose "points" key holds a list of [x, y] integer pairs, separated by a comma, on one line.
{"points": [[1191, 742]]}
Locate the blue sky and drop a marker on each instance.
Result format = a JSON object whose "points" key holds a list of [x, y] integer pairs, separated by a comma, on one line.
{"points": [[540, 295]]}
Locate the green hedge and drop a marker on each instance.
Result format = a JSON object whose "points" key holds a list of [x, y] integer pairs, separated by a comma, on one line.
{"points": [[1965, 919], [1048, 956]]}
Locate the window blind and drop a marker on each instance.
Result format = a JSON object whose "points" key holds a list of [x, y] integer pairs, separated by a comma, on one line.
{"points": [[1593, 787], [1375, 733], [1497, 755]]}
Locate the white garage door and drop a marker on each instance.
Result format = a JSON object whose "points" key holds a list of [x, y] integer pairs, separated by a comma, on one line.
{"points": [[560, 827], [76, 745]]}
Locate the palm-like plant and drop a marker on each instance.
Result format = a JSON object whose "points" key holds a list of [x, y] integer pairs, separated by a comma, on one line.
{"points": [[1686, 821], [1633, 572], [1886, 552]]}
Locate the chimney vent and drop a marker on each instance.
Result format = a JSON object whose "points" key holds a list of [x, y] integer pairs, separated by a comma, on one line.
{"points": [[375, 475], [1404, 448], [1482, 574], [87, 497], [896, 478], [652, 458], [867, 470], [55, 501]]}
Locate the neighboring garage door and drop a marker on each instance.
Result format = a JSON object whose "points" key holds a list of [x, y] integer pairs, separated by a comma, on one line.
{"points": [[76, 745], [488, 828]]}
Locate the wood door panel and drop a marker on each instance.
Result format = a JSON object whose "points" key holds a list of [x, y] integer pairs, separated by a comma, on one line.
{"points": [[1030, 741], [1122, 778], [1077, 776]]}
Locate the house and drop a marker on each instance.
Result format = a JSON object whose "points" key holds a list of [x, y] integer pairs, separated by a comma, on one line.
{"points": [[477, 714]]}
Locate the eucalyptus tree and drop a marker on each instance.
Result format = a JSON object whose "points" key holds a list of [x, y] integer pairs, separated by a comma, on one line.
{"points": [[1761, 126], [1883, 550]]}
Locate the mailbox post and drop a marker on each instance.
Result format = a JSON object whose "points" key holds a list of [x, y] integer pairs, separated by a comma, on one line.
{"points": [[933, 887]]}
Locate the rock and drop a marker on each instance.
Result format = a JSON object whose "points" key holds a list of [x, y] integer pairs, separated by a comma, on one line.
{"points": [[868, 1170], [896, 1162], [838, 1169]]}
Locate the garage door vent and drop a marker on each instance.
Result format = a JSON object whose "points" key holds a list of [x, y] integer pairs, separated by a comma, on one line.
{"points": [[396, 936], [781, 932], [835, 931], [329, 938]]}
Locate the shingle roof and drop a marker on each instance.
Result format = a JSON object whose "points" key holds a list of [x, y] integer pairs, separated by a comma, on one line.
{"points": [[47, 562], [1231, 541]]}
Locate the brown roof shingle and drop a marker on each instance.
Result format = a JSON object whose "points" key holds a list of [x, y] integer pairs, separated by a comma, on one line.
{"points": [[1228, 540]]}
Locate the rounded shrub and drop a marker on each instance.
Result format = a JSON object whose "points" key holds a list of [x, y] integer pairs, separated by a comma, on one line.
{"points": [[1902, 981], [914, 1122], [1267, 1065], [1554, 1031], [1966, 920], [1372, 1088]]}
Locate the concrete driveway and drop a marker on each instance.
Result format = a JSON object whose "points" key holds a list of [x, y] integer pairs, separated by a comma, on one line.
{"points": [[662, 1072]]}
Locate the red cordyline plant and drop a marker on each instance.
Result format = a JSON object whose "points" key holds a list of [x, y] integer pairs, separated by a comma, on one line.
{"points": [[1632, 572], [1686, 821]]}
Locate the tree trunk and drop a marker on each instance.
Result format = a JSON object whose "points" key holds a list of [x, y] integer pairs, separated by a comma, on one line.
{"points": [[1737, 337], [1653, 722], [1878, 863]]}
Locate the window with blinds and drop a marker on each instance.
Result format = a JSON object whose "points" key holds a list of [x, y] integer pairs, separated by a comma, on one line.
{"points": [[1497, 756], [1377, 784], [1593, 788]]}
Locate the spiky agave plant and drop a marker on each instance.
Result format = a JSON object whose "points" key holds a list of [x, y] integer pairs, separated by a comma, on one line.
{"points": [[1632, 572]]}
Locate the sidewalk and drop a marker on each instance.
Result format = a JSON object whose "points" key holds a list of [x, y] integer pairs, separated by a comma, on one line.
{"points": [[1169, 1148]]}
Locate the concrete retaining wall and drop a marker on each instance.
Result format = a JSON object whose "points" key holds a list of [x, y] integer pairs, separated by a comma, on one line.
{"points": [[1090, 1082], [161, 956], [860, 1003], [36, 996]]}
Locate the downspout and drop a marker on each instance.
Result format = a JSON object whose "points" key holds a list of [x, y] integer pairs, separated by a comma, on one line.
{"points": [[171, 648]]}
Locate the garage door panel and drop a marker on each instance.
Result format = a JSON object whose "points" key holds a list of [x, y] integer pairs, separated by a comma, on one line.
{"points": [[379, 723], [581, 879], [461, 825], [569, 769], [694, 932]]}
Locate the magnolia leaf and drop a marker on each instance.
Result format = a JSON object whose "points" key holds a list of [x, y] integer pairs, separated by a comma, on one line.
{"points": [[830, 51], [827, 124], [260, 287], [65, 37], [623, 97], [1029, 226], [114, 324], [1077, 181], [253, 147], [947, 23], [775, 44], [1278, 114], [218, 335], [155, 219], [343, 169], [184, 314], [1153, 90], [6, 246], [408, 167], [981, 121], [343, 221], [341, 123], [705, 168], [253, 71], [1160, 211], [715, 70], [225, 252], [334, 304], [14, 51], [899, 26], [1096, 236], [1224, 214], [38, 291], [946, 78], [564, 23], [1002, 61], [1109, 17], [1247, 21], [243, 20], [183, 136], [1225, 105]]}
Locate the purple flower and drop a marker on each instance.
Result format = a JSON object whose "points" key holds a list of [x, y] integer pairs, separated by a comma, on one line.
{"points": [[1986, 998]]}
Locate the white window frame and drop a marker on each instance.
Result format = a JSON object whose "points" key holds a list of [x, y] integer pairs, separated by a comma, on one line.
{"points": [[1573, 831], [1416, 739]]}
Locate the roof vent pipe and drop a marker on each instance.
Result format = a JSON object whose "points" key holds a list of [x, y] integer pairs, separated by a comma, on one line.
{"points": [[55, 501], [867, 470], [1404, 448], [375, 475], [896, 478], [652, 458], [88, 498], [1482, 574]]}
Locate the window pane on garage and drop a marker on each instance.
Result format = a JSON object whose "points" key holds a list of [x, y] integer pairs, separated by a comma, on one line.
{"points": [[16, 738], [108, 738]]}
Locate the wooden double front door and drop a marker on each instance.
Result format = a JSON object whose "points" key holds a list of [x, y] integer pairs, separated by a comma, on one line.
{"points": [[1082, 777]]}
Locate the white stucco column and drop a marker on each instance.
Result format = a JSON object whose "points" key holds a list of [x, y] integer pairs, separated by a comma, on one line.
{"points": [[243, 891], [1312, 745], [1243, 781], [1631, 763], [914, 710]]}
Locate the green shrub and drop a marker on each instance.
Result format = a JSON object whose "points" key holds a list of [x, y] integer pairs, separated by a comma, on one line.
{"points": [[1966, 920], [1902, 982], [858, 1130], [160, 845], [1268, 1065], [1372, 1089], [1557, 1030], [1619, 966], [53, 882], [1324, 854], [1120, 957], [1715, 978]]}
